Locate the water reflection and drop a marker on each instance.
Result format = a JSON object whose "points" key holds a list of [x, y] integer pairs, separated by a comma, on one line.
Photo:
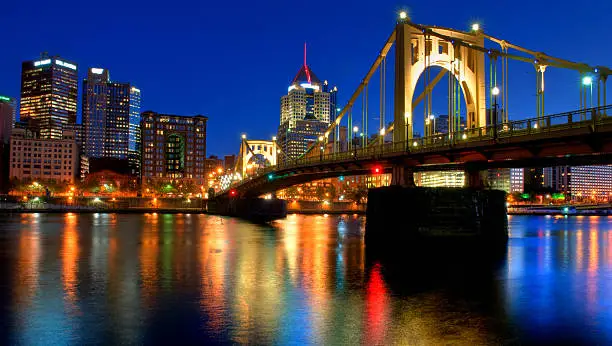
{"points": [[110, 279]]}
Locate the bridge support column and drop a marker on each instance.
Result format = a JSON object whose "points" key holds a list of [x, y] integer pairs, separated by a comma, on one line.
{"points": [[473, 179], [402, 176], [419, 218]]}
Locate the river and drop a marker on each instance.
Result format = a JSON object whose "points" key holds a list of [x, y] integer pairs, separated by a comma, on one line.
{"points": [[185, 279]]}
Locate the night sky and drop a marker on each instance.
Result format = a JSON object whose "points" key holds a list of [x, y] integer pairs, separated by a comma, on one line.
{"points": [[232, 60]]}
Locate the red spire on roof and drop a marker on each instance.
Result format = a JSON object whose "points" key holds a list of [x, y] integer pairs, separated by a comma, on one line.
{"points": [[306, 66]]}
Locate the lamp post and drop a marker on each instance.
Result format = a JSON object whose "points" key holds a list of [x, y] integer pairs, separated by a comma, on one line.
{"points": [[588, 81], [321, 138], [495, 92], [355, 140]]}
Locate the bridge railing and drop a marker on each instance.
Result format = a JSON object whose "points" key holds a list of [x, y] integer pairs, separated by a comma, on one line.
{"points": [[505, 131]]}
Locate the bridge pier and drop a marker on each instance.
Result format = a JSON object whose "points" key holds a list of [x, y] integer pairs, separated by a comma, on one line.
{"points": [[402, 175], [399, 217], [473, 179], [252, 209]]}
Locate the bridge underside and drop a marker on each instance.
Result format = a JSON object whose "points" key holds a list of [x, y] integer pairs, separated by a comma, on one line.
{"points": [[572, 147]]}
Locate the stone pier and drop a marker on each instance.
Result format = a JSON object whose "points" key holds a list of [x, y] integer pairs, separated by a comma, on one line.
{"points": [[253, 209], [402, 216]]}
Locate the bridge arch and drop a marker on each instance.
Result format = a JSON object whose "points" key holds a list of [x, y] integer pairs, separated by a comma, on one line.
{"points": [[418, 50], [257, 152]]}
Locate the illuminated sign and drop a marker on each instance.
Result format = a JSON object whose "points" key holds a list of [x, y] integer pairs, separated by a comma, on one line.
{"points": [[97, 70], [309, 86], [66, 64], [42, 62], [4, 98]]}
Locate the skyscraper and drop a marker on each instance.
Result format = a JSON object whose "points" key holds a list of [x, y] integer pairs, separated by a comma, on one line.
{"points": [[111, 118], [174, 147], [8, 109], [306, 112], [48, 95], [7, 117]]}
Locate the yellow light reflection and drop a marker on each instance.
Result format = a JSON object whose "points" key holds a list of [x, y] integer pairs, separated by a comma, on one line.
{"points": [[70, 256]]}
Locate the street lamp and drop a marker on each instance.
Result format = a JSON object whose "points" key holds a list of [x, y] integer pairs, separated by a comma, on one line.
{"points": [[588, 81], [475, 27], [495, 92], [243, 136], [403, 15]]}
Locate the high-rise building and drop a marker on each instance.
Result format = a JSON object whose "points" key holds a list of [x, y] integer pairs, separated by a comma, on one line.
{"points": [[590, 182], [48, 95], [557, 178], [43, 159], [229, 161], [306, 112], [440, 179], [111, 118], [533, 179], [441, 124], [173, 147], [8, 110], [506, 179], [7, 117]]}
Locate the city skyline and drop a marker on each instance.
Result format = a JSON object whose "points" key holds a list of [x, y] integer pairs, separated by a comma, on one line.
{"points": [[278, 52]]}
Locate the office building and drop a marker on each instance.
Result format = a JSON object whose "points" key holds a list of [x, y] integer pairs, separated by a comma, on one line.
{"points": [[441, 124], [43, 159], [506, 179], [8, 111], [111, 118], [557, 178], [173, 148], [48, 95], [306, 112], [533, 179], [229, 162], [440, 179]]}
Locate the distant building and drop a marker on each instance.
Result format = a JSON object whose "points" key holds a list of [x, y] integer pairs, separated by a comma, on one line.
{"points": [[557, 178], [229, 162], [592, 183], [173, 148], [48, 95], [111, 118], [506, 179], [442, 125], [440, 179], [533, 179], [7, 122], [8, 111], [306, 112], [43, 159]]}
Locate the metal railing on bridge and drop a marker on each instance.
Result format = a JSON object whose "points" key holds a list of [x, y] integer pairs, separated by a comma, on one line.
{"points": [[548, 125]]}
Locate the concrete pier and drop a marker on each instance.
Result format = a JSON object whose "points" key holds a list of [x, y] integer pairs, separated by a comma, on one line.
{"points": [[253, 209], [401, 216]]}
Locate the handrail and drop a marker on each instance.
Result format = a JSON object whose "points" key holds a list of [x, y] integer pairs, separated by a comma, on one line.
{"points": [[501, 132]]}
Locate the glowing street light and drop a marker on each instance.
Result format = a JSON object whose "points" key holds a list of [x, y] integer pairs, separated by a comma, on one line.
{"points": [[588, 81], [475, 27], [243, 136], [273, 138], [403, 15], [382, 131], [355, 129], [321, 138], [495, 91]]}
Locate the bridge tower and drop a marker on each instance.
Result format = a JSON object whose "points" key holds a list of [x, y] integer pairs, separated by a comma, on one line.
{"points": [[255, 154], [461, 54]]}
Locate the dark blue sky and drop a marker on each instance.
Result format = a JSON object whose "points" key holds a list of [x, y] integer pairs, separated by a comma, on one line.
{"points": [[232, 60]]}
